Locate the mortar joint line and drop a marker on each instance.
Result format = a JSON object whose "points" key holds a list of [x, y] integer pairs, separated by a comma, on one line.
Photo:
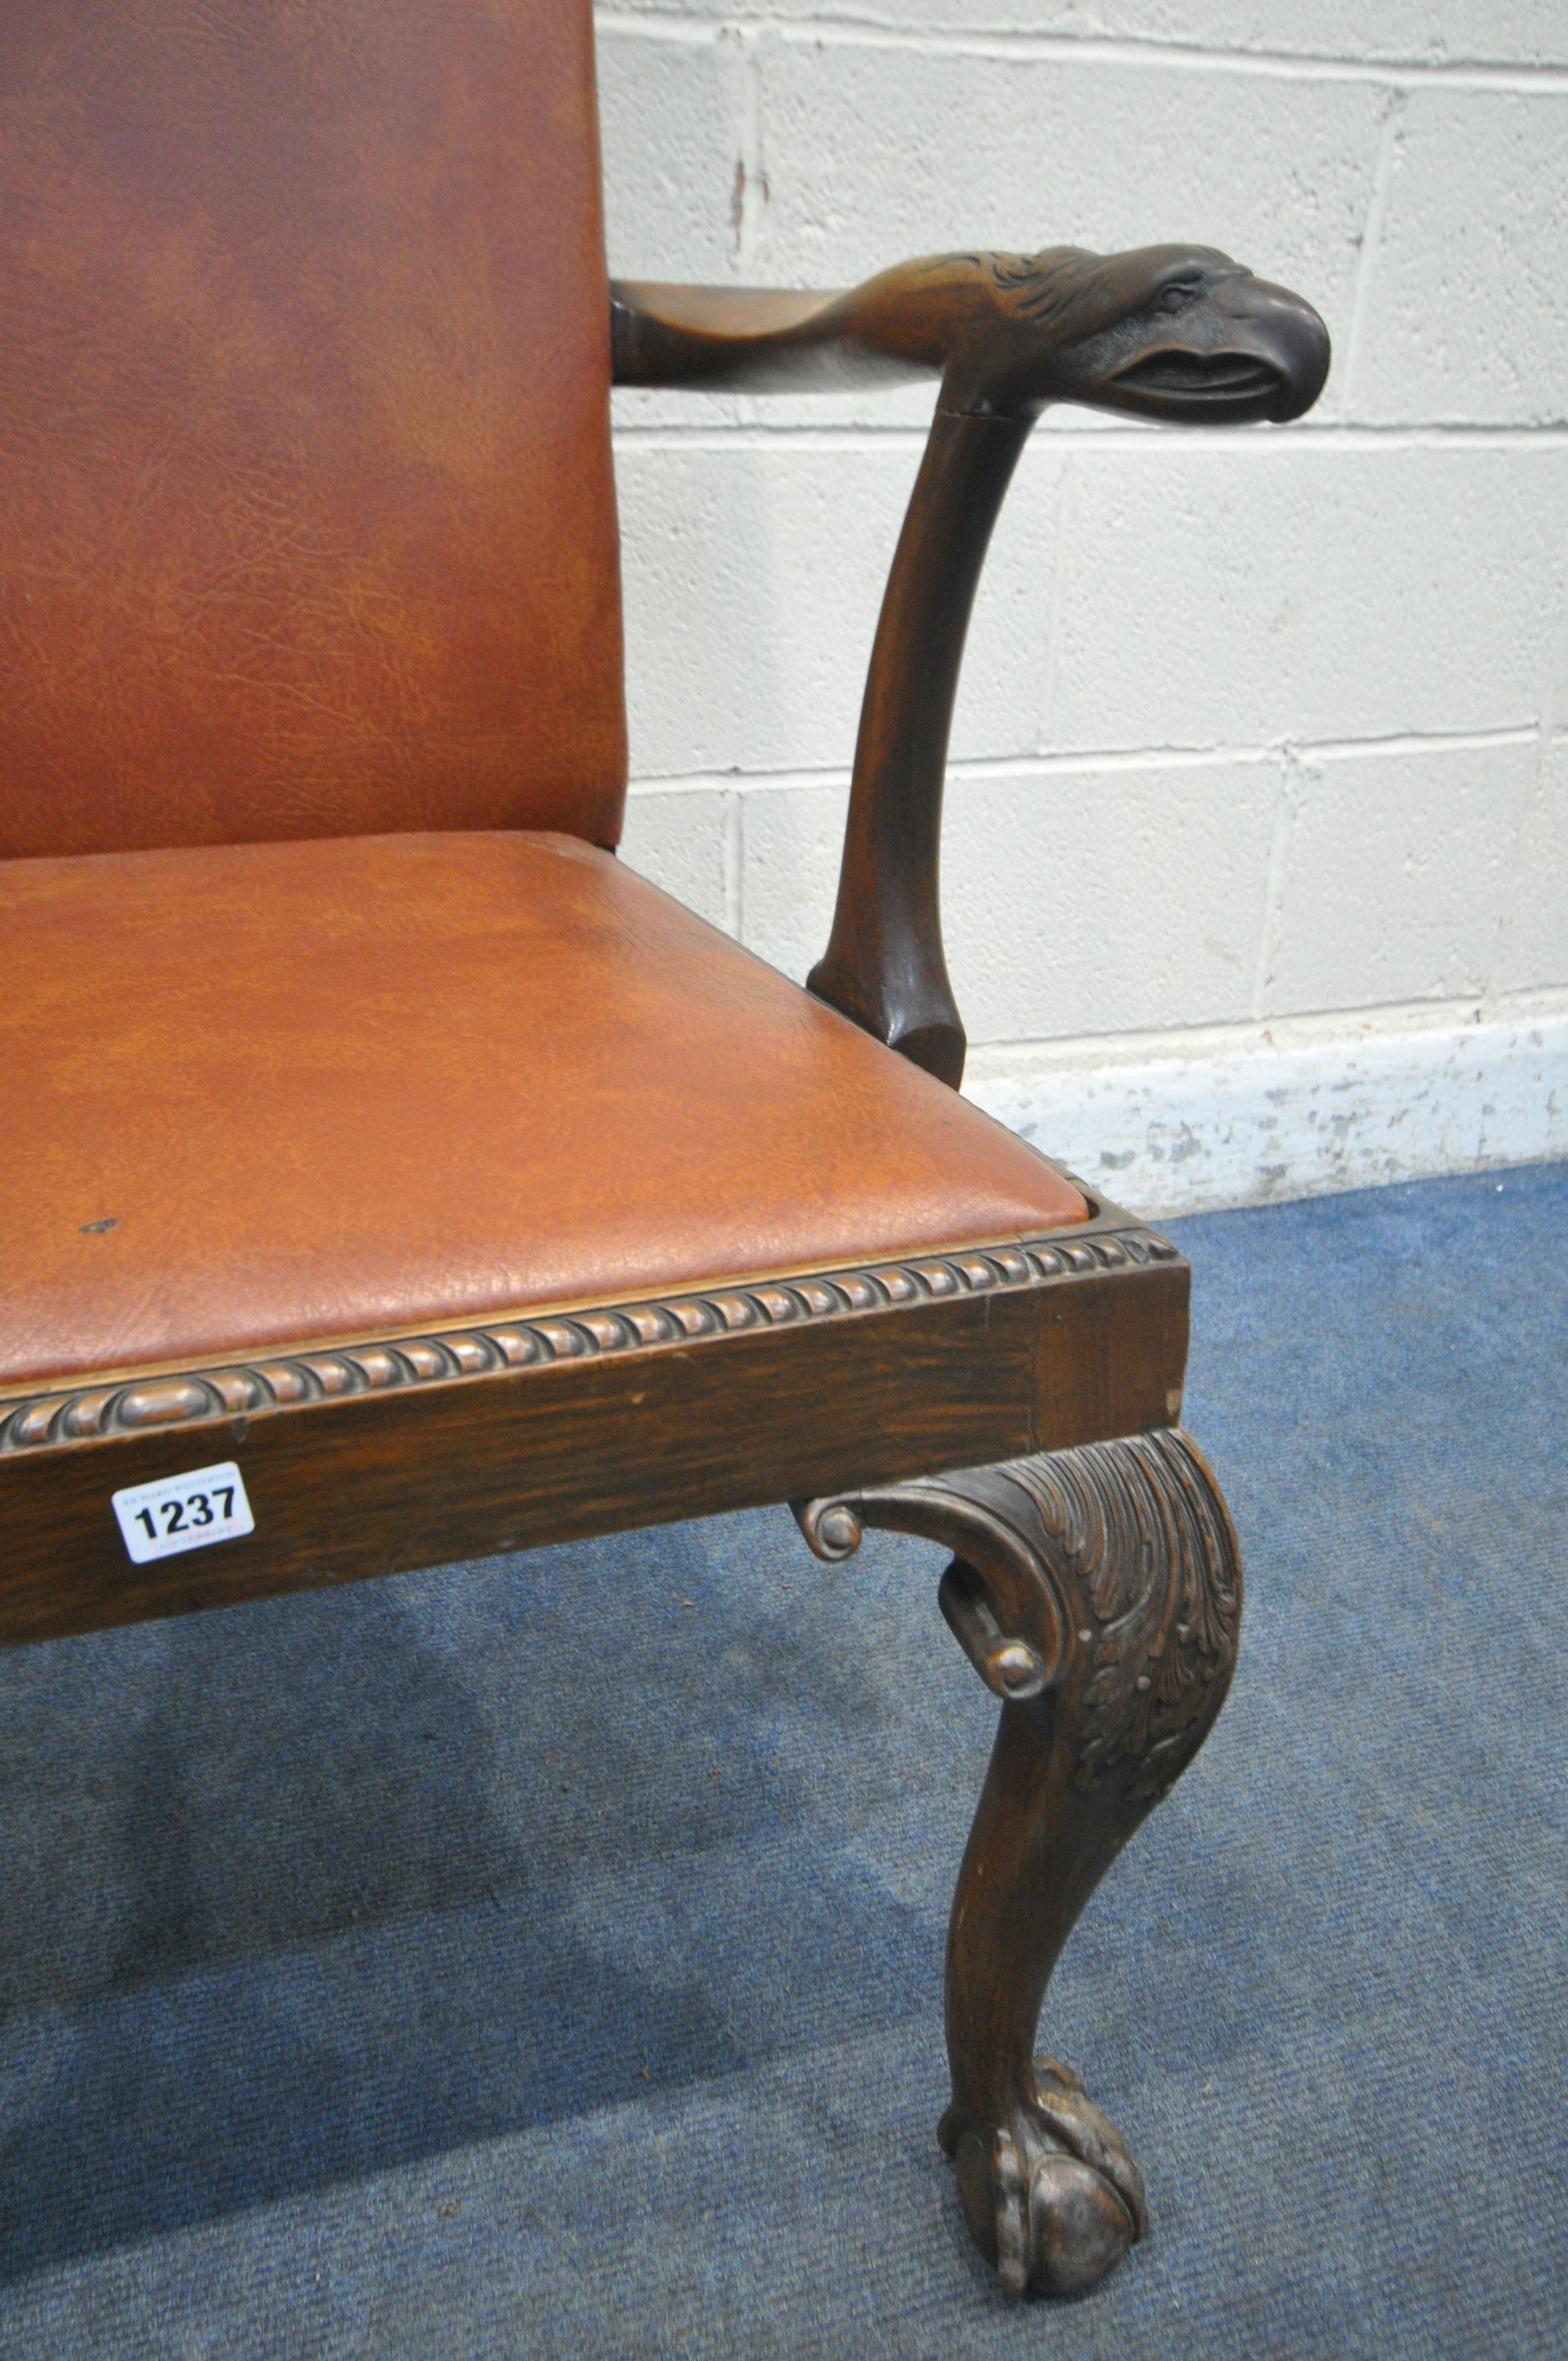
{"points": [[1068, 763], [1533, 796], [756, 432], [738, 42], [1275, 875], [735, 864], [1370, 243], [842, 31], [1063, 518]]}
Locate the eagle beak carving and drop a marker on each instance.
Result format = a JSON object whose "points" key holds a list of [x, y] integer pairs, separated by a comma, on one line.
{"points": [[1246, 350]]}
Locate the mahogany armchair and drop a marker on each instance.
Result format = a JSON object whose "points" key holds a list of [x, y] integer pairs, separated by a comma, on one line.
{"points": [[397, 1178]]}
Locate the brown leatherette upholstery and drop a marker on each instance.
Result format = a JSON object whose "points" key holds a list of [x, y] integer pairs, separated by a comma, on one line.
{"points": [[306, 519], [325, 1088]]}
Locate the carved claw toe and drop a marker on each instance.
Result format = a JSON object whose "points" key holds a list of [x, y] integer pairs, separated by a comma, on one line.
{"points": [[1051, 2197], [1065, 2105]]}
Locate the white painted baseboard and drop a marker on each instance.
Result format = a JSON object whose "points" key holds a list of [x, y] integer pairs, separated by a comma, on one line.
{"points": [[1295, 1109]]}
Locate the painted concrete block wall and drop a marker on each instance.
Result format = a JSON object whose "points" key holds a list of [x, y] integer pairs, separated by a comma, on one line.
{"points": [[1255, 864]]}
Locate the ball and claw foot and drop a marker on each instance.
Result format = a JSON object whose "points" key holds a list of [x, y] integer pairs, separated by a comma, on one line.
{"points": [[1052, 2198]]}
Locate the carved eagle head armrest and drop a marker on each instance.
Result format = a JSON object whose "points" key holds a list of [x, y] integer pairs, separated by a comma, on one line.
{"points": [[1177, 333], [1170, 332], [1180, 334]]}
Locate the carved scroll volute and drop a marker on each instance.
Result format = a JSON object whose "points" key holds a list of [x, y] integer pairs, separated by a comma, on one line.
{"points": [[998, 1595]]}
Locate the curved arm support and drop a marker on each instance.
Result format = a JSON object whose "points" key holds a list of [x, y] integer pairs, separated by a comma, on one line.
{"points": [[884, 965], [1181, 334]]}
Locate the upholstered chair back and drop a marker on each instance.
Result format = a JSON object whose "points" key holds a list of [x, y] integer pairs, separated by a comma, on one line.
{"points": [[307, 525]]}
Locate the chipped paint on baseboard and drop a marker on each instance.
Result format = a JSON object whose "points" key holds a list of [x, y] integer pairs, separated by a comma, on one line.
{"points": [[1266, 1115]]}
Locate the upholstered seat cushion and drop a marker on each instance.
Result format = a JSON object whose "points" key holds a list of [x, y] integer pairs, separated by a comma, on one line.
{"points": [[256, 1095]]}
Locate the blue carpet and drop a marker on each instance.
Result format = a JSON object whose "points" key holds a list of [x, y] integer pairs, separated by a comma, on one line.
{"points": [[543, 1957]]}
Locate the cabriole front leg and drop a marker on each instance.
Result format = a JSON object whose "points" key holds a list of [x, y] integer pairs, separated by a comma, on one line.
{"points": [[1096, 1592]]}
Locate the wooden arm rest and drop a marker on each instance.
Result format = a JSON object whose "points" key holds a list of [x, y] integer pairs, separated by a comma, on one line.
{"points": [[790, 341], [758, 339], [1174, 333]]}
